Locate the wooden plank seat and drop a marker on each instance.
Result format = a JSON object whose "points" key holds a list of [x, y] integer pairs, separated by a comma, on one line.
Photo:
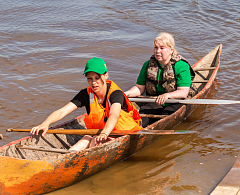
{"points": [[41, 148], [198, 81], [152, 116], [203, 68]]}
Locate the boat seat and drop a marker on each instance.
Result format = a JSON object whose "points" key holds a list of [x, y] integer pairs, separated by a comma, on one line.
{"points": [[200, 81], [46, 149], [203, 68], [153, 116]]}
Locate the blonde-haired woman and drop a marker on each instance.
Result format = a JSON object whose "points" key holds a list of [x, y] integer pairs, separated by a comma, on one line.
{"points": [[166, 75]]}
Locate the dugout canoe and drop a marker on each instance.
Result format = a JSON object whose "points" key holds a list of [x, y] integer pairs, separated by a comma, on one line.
{"points": [[26, 171]]}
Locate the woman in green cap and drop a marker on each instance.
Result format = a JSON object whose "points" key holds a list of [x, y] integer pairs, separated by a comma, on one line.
{"points": [[107, 107]]}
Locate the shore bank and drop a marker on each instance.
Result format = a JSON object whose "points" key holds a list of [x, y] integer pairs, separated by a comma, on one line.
{"points": [[230, 184]]}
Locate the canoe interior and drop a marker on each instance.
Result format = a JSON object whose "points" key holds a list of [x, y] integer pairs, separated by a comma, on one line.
{"points": [[49, 141], [21, 168], [210, 60], [66, 141]]}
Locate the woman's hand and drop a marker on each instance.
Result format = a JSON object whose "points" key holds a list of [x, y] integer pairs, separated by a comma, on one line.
{"points": [[35, 130], [102, 137], [54, 117], [161, 99], [180, 93], [98, 139]]}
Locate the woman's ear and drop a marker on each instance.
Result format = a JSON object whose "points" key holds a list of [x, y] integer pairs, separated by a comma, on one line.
{"points": [[106, 75]]}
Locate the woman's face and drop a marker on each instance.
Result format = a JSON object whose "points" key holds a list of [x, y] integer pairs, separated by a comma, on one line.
{"points": [[162, 53], [96, 81]]}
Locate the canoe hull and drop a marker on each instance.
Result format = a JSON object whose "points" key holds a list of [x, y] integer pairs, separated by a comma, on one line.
{"points": [[23, 172], [21, 176]]}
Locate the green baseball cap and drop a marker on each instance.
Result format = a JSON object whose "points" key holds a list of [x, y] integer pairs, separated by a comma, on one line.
{"points": [[95, 65]]}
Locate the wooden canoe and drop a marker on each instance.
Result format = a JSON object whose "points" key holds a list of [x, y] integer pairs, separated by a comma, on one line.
{"points": [[26, 171]]}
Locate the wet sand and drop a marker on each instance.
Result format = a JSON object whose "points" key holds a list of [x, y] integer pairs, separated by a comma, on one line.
{"points": [[231, 182]]}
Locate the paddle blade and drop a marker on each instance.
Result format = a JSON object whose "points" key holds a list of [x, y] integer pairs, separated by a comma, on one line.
{"points": [[1, 136], [207, 101], [165, 132]]}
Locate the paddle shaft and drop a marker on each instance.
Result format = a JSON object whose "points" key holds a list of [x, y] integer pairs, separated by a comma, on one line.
{"points": [[185, 101], [114, 132]]}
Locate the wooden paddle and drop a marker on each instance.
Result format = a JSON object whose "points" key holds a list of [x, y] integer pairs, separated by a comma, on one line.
{"points": [[1, 136], [186, 101], [114, 132]]}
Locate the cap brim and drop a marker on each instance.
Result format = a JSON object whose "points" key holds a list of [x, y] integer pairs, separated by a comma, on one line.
{"points": [[99, 72]]}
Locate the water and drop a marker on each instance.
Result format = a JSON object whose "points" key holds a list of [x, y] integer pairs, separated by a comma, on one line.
{"points": [[44, 46]]}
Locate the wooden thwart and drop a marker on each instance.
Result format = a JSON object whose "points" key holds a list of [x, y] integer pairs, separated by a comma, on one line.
{"points": [[46, 149], [199, 81], [203, 68], [152, 116]]}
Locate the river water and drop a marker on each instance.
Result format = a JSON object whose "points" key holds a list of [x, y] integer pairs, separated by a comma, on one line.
{"points": [[44, 46]]}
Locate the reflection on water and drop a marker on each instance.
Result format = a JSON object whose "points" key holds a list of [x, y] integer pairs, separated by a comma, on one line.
{"points": [[44, 48]]}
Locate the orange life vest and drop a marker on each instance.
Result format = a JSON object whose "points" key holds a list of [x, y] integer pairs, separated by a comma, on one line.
{"points": [[98, 115]]}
